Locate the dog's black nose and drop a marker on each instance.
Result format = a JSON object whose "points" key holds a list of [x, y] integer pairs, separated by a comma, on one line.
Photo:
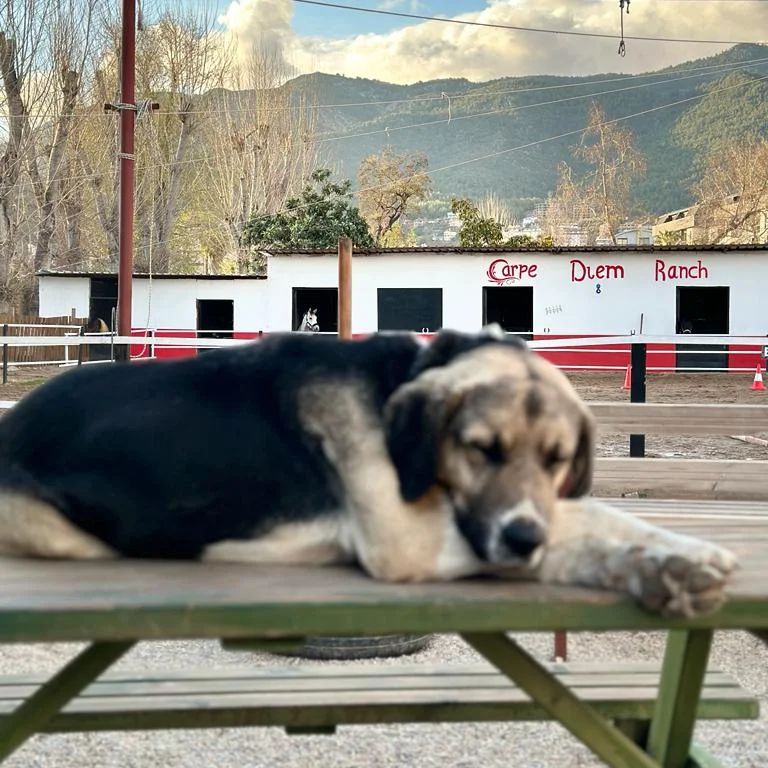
{"points": [[522, 537]]}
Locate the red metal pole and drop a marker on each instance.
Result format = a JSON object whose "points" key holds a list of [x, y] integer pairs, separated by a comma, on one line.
{"points": [[127, 128], [345, 288]]}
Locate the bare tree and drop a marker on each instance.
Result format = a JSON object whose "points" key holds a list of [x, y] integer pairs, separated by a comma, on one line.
{"points": [[732, 194], [388, 184], [181, 59], [260, 148], [71, 40], [600, 202], [494, 207], [25, 88]]}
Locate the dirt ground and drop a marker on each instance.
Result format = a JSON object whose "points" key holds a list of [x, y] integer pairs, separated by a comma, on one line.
{"points": [[661, 388], [678, 388]]}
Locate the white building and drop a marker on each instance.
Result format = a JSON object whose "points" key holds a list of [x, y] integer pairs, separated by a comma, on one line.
{"points": [[540, 293]]}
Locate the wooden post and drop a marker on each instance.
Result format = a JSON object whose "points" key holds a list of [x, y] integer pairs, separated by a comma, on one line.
{"points": [[345, 288], [6, 331]]}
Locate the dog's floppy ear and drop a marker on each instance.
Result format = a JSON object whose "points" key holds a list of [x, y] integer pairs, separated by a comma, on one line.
{"points": [[414, 423], [579, 479]]}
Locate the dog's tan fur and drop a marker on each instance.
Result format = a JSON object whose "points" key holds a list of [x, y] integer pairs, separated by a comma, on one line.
{"points": [[31, 528]]}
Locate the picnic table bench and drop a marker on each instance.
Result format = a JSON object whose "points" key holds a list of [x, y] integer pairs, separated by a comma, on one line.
{"points": [[632, 715]]}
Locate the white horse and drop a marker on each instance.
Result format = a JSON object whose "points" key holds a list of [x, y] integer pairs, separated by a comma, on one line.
{"points": [[309, 323]]}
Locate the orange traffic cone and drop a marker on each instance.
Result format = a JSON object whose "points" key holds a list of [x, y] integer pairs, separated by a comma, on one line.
{"points": [[757, 383], [628, 378]]}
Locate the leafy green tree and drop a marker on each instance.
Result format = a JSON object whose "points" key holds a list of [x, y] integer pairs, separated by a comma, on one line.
{"points": [[476, 231], [526, 241], [316, 219]]}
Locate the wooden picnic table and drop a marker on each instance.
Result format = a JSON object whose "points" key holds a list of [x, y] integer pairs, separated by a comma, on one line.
{"points": [[112, 605]]}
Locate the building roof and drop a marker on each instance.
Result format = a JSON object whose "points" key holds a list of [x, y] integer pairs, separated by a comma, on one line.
{"points": [[460, 251], [146, 276]]}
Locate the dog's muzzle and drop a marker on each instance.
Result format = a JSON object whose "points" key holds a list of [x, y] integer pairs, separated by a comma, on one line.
{"points": [[521, 538], [514, 538]]}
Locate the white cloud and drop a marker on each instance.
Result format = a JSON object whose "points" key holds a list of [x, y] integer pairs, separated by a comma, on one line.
{"points": [[430, 50]]}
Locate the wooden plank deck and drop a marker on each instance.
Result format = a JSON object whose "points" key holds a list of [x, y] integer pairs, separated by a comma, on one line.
{"points": [[50, 601]]}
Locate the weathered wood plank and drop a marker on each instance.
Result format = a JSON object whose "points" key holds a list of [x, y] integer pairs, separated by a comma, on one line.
{"points": [[680, 418], [74, 601], [85, 601], [373, 695], [278, 684], [690, 478]]}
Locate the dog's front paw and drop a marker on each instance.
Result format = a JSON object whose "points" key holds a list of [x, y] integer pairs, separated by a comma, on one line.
{"points": [[681, 583]]}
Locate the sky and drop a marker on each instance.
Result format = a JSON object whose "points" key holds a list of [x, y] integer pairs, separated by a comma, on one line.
{"points": [[312, 38]]}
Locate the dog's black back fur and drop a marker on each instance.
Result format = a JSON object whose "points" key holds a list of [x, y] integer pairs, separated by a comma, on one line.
{"points": [[160, 459]]}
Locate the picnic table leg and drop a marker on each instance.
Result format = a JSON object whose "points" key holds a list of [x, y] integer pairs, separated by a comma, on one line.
{"points": [[682, 677], [605, 740], [48, 700]]}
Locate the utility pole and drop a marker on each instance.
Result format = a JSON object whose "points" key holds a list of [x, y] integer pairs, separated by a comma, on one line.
{"points": [[345, 288], [127, 163]]}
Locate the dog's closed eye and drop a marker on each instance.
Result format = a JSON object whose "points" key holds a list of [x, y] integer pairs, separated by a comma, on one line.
{"points": [[493, 451], [554, 458]]}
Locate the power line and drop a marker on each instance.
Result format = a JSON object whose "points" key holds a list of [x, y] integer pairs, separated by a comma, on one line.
{"points": [[475, 94], [511, 109], [516, 28], [519, 147], [723, 68]]}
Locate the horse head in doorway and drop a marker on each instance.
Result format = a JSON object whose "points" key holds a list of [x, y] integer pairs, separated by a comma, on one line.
{"points": [[309, 322]]}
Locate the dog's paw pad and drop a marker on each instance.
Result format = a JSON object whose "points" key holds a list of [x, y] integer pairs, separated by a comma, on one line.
{"points": [[682, 585]]}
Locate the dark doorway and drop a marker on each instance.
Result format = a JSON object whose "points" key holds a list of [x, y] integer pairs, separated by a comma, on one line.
{"points": [[215, 318], [703, 310], [101, 306], [410, 309], [325, 302], [103, 299], [511, 308]]}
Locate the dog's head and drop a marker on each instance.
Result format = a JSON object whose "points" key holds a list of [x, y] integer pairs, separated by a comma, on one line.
{"points": [[501, 431]]}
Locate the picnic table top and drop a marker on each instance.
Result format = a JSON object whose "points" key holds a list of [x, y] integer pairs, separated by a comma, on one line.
{"points": [[115, 600]]}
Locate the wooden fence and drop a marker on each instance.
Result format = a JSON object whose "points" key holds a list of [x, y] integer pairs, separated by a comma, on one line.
{"points": [[37, 326]]}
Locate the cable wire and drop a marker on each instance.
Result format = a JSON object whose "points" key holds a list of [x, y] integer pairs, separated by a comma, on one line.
{"points": [[517, 28]]}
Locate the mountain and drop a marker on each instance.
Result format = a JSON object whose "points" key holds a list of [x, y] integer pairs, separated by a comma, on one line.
{"points": [[674, 139]]}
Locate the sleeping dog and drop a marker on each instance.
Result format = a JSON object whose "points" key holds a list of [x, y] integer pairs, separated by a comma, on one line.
{"points": [[468, 455]]}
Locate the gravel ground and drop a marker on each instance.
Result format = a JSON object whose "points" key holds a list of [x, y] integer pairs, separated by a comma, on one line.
{"points": [[529, 745]]}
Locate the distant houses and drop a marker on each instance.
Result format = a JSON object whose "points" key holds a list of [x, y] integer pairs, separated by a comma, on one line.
{"points": [[733, 220]]}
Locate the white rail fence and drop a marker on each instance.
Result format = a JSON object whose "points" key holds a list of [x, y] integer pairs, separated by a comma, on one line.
{"points": [[148, 345]]}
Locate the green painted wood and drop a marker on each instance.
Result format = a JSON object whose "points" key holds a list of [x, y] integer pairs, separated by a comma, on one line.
{"points": [[620, 683], [607, 742], [567, 608], [682, 677], [31, 716], [700, 758], [322, 697]]}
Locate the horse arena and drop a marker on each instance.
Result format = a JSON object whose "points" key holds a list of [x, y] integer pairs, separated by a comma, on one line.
{"points": [[598, 386]]}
